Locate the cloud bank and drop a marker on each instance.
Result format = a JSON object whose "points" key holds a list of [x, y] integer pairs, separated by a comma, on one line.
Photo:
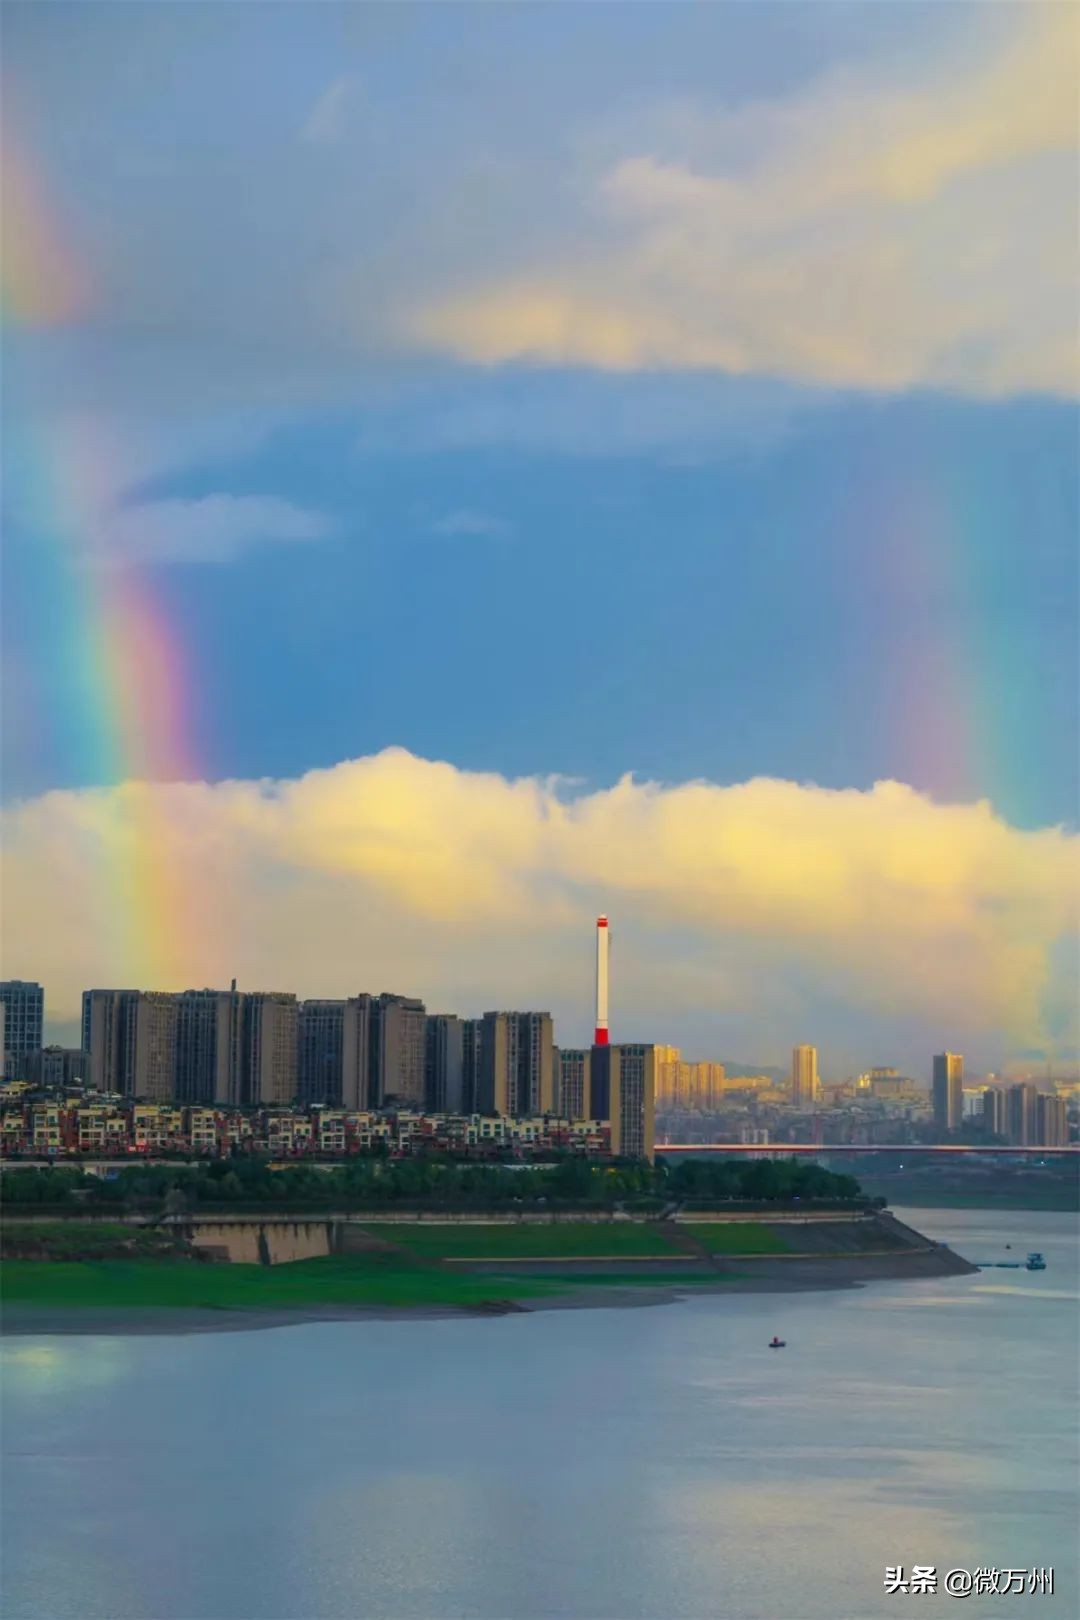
{"points": [[745, 917], [867, 233]]}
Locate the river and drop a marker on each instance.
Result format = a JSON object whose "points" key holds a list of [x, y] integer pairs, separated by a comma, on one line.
{"points": [[650, 1464]]}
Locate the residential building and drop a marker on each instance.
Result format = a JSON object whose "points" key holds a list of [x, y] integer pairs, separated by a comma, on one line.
{"points": [[207, 1045], [130, 1036], [697, 1087], [102, 1130], [805, 1085], [108, 1020], [1020, 1114], [993, 1118], [530, 1064], [55, 1066], [631, 1087], [493, 1070], [444, 1057], [516, 1064], [333, 1052], [574, 1100], [157, 1128], [22, 1023], [266, 1066], [1051, 1121], [472, 1048], [397, 1051], [948, 1091]]}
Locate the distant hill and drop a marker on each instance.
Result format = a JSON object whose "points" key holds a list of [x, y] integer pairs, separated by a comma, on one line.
{"points": [[741, 1071]]}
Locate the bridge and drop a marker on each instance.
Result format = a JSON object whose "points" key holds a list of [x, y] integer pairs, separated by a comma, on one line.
{"points": [[910, 1148]]}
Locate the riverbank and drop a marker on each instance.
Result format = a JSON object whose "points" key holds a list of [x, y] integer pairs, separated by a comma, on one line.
{"points": [[490, 1270], [608, 1292]]}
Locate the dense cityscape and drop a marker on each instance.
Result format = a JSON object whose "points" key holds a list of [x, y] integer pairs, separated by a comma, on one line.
{"points": [[211, 1072]]}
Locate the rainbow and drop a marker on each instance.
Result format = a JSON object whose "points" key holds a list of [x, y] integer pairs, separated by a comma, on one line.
{"points": [[116, 711], [961, 714]]}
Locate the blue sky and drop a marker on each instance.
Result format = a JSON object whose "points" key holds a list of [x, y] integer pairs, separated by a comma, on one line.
{"points": [[580, 391]]}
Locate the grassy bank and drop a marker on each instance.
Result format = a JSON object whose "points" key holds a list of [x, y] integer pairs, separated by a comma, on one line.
{"points": [[736, 1237], [547, 1240], [349, 1280]]}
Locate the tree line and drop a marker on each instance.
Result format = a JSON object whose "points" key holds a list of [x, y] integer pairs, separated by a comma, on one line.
{"points": [[427, 1183]]}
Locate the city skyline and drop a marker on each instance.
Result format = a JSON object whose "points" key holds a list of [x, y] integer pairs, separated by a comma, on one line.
{"points": [[515, 509], [801, 1073]]}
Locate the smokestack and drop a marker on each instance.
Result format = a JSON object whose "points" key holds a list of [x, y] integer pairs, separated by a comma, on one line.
{"points": [[601, 1036]]}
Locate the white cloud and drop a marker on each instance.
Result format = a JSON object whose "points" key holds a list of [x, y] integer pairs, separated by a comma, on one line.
{"points": [[877, 235], [468, 522], [209, 528], [745, 917]]}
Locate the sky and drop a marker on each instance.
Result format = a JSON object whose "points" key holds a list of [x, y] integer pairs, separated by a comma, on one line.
{"points": [[470, 467]]}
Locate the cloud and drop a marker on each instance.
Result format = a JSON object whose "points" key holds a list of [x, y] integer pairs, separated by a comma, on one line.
{"points": [[468, 522], [745, 917], [875, 235], [209, 529]]}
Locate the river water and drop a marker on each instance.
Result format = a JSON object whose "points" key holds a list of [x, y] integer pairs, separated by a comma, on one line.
{"points": [[652, 1464]]}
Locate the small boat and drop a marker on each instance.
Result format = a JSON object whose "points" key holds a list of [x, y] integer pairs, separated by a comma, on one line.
{"points": [[777, 1344], [1035, 1261]]}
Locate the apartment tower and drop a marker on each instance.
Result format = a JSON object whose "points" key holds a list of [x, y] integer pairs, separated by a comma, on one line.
{"points": [[805, 1085], [948, 1091]]}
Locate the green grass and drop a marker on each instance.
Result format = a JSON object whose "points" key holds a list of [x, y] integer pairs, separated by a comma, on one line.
{"points": [[335, 1280], [539, 1240], [736, 1237]]}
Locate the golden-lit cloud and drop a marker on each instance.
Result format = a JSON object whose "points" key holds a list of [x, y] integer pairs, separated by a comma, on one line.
{"points": [[874, 233], [751, 913]]}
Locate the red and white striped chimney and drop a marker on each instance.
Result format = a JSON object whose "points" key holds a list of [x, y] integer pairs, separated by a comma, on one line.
{"points": [[601, 1036]]}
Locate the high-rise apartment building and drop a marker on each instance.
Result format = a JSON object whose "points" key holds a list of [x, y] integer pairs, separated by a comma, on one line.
{"points": [[320, 1040], [22, 1025], [575, 1085], [667, 1059], [624, 1093], [266, 1049], [805, 1085], [1051, 1121], [516, 1064], [530, 1064], [333, 1052], [397, 1052], [444, 1056], [993, 1115], [55, 1066], [693, 1086], [493, 1077], [472, 1053], [208, 1025], [1020, 1114], [632, 1099], [107, 1017], [948, 1091], [130, 1036]]}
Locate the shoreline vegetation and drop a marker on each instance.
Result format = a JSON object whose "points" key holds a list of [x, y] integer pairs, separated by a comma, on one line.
{"points": [[156, 1255]]}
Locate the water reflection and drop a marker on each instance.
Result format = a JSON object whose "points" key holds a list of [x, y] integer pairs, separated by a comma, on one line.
{"points": [[37, 1368]]}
